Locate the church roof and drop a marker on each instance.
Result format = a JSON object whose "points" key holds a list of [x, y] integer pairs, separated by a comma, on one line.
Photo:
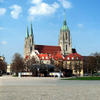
{"points": [[48, 49]]}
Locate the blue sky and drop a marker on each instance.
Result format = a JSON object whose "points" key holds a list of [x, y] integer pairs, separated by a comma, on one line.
{"points": [[83, 19]]}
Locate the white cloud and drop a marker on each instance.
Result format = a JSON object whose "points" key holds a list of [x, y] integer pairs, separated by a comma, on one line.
{"points": [[66, 4], [2, 11], [4, 42], [42, 9], [36, 1], [80, 25], [1, 28], [1, 0], [16, 11]]}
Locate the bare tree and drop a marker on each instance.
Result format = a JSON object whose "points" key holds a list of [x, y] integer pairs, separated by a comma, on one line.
{"points": [[97, 58], [91, 64], [29, 63], [17, 64], [59, 66], [3, 66], [77, 68]]}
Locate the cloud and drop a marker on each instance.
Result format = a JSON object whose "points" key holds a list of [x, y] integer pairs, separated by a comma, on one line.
{"points": [[1, 28], [4, 42], [1, 0], [36, 1], [42, 8], [65, 3], [16, 11], [80, 25], [2, 11]]}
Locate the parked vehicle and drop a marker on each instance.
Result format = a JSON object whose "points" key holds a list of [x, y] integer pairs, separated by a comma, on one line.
{"points": [[96, 74], [86, 74], [56, 74]]}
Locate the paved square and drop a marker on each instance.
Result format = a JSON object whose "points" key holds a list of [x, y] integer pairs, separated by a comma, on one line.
{"points": [[31, 88]]}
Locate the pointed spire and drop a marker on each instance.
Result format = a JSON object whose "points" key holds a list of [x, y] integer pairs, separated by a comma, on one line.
{"points": [[27, 33], [64, 27], [65, 18], [31, 30], [31, 34]]}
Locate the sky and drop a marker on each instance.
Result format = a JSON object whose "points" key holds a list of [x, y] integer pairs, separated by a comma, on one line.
{"points": [[83, 20]]}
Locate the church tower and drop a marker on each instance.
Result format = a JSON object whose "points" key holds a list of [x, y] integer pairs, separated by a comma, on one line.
{"points": [[29, 42], [65, 39]]}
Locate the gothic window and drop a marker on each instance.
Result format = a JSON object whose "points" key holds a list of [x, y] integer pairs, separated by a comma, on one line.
{"points": [[66, 47], [66, 35]]}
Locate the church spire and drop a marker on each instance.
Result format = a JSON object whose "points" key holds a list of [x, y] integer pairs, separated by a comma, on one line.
{"points": [[64, 27], [27, 33], [65, 23], [31, 34], [31, 30]]}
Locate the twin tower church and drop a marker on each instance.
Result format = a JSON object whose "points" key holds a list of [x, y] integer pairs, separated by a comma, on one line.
{"points": [[63, 49], [63, 52]]}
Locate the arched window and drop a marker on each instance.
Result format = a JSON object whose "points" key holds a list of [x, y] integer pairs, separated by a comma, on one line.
{"points": [[66, 35], [66, 47]]}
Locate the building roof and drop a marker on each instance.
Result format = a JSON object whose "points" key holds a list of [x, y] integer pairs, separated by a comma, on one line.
{"points": [[74, 56], [58, 56], [43, 56], [48, 49]]}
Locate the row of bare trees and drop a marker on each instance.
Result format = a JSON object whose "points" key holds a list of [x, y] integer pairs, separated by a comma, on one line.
{"points": [[92, 63], [20, 65]]}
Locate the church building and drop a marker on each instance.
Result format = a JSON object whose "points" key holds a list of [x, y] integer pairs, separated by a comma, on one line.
{"points": [[62, 52], [64, 44]]}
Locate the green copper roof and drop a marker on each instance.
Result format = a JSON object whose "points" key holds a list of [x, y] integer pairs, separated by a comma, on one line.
{"points": [[64, 27], [27, 33]]}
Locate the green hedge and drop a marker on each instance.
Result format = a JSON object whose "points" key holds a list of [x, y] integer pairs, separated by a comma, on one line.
{"points": [[83, 78]]}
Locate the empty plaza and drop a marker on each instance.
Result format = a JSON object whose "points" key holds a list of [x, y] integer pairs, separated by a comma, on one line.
{"points": [[31, 88]]}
